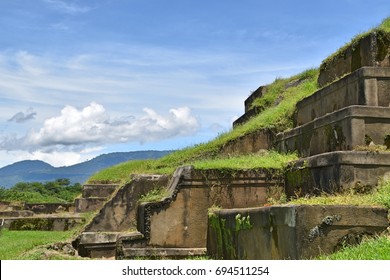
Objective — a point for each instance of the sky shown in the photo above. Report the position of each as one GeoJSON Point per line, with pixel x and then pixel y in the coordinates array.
{"type": "Point", "coordinates": [79, 78]}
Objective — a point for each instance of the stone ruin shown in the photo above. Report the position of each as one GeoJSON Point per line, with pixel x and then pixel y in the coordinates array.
{"type": "Point", "coordinates": [350, 110]}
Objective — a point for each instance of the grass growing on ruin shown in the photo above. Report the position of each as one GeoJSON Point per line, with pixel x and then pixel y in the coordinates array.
{"type": "Point", "coordinates": [266, 159]}
{"type": "Point", "coordinates": [370, 249]}
{"type": "Point", "coordinates": [156, 194]}
{"type": "Point", "coordinates": [15, 243]}
{"type": "Point", "coordinates": [380, 196]}
{"type": "Point", "coordinates": [277, 117]}
{"type": "Point", "coordinates": [383, 29]}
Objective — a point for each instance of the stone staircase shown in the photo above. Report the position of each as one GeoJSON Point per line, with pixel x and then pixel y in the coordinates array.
{"type": "Point", "coordinates": [341, 133]}
{"type": "Point", "coordinates": [93, 197]}
{"type": "Point", "coordinates": [335, 134]}
{"type": "Point", "coordinates": [336, 130]}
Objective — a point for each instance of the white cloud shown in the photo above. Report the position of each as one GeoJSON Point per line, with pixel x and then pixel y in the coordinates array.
{"type": "Point", "coordinates": [74, 129]}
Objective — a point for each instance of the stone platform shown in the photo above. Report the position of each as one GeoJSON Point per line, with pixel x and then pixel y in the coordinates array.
{"type": "Point", "coordinates": [366, 86]}
{"type": "Point", "coordinates": [44, 222]}
{"type": "Point", "coordinates": [291, 231]}
{"type": "Point", "coordinates": [335, 172]}
{"type": "Point", "coordinates": [344, 129]}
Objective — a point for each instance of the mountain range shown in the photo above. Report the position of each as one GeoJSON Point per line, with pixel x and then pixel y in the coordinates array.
{"type": "Point", "coordinates": [40, 171]}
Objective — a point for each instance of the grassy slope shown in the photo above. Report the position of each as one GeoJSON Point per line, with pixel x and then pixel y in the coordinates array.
{"type": "Point", "coordinates": [383, 28]}
{"type": "Point", "coordinates": [278, 110]}
{"type": "Point", "coordinates": [15, 243]}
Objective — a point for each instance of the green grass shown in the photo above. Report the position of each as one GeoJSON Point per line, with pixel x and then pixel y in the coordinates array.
{"type": "Point", "coordinates": [370, 249]}
{"type": "Point", "coordinates": [156, 194]}
{"type": "Point", "coordinates": [382, 30]}
{"type": "Point", "coordinates": [15, 243]}
{"type": "Point", "coordinates": [276, 117]}
{"type": "Point", "coordinates": [266, 159]}
{"type": "Point", "coordinates": [380, 196]}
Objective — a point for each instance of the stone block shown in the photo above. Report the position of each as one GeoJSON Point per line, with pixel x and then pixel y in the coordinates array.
{"type": "Point", "coordinates": [88, 204]}
{"type": "Point", "coordinates": [181, 221]}
{"type": "Point", "coordinates": [120, 212]}
{"type": "Point", "coordinates": [372, 50]}
{"type": "Point", "coordinates": [98, 190]}
{"type": "Point", "coordinates": [291, 231]}
{"type": "Point", "coordinates": [344, 129]}
{"type": "Point", "coordinates": [42, 223]}
{"type": "Point", "coordinates": [367, 86]}
{"type": "Point", "coordinates": [250, 143]}
{"type": "Point", "coordinates": [335, 172]}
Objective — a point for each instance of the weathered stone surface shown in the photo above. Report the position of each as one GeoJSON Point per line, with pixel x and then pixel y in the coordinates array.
{"type": "Point", "coordinates": [42, 223]}
{"type": "Point", "coordinates": [371, 50]}
{"type": "Point", "coordinates": [182, 220]}
{"type": "Point", "coordinates": [341, 130]}
{"type": "Point", "coordinates": [250, 113]}
{"type": "Point", "coordinates": [16, 213]}
{"type": "Point", "coordinates": [164, 252]}
{"type": "Point", "coordinates": [88, 204]}
{"type": "Point", "coordinates": [120, 212]}
{"type": "Point", "coordinates": [336, 171]}
{"type": "Point", "coordinates": [254, 95]}
{"type": "Point", "coordinates": [49, 208]}
{"type": "Point", "coordinates": [250, 143]}
{"type": "Point", "coordinates": [366, 86]}
{"type": "Point", "coordinates": [98, 190]}
{"type": "Point", "coordinates": [291, 231]}
{"type": "Point", "coordinates": [101, 244]}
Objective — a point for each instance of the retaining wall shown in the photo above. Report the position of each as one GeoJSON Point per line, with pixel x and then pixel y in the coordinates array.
{"type": "Point", "coordinates": [291, 231]}
{"type": "Point", "coordinates": [344, 129]}
{"type": "Point", "coordinates": [371, 50]}
{"type": "Point", "coordinates": [336, 171]}
{"type": "Point", "coordinates": [366, 86]}
{"type": "Point", "coordinates": [182, 220]}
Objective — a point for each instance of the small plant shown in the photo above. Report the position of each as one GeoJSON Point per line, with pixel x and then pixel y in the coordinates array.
{"type": "Point", "coordinates": [243, 223]}
{"type": "Point", "coordinates": [154, 195]}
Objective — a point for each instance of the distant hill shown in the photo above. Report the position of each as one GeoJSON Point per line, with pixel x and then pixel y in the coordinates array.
{"type": "Point", "coordinates": [39, 171]}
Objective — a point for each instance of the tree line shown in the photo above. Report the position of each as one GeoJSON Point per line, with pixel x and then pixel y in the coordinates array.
{"type": "Point", "coordinates": [58, 191]}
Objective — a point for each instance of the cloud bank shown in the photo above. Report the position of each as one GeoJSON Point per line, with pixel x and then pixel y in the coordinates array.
{"type": "Point", "coordinates": [75, 128]}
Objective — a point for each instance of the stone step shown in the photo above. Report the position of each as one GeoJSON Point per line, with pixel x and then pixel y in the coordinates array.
{"type": "Point", "coordinates": [89, 204]}
{"type": "Point", "coordinates": [335, 172]}
{"type": "Point", "coordinates": [341, 130]}
{"type": "Point", "coordinates": [174, 253]}
{"type": "Point", "coordinates": [366, 86]}
{"type": "Point", "coordinates": [370, 50]}
{"type": "Point", "coordinates": [291, 231]}
{"type": "Point", "coordinates": [102, 244]}
{"type": "Point", "coordinates": [98, 190]}
{"type": "Point", "coordinates": [43, 222]}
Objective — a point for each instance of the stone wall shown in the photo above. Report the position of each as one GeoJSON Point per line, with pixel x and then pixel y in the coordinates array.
{"type": "Point", "coordinates": [49, 208]}
{"type": "Point", "coordinates": [371, 50]}
{"type": "Point", "coordinates": [291, 231]}
{"type": "Point", "coordinates": [250, 143]}
{"type": "Point", "coordinates": [336, 172]}
{"type": "Point", "coordinates": [182, 221]}
{"type": "Point", "coordinates": [120, 212]}
{"type": "Point", "coordinates": [344, 129]}
{"type": "Point", "coordinates": [366, 86]}
{"type": "Point", "coordinates": [93, 197]}
{"type": "Point", "coordinates": [42, 223]}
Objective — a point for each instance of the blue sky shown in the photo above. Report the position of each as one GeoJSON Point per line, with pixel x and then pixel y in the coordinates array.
{"type": "Point", "coordinates": [81, 78]}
